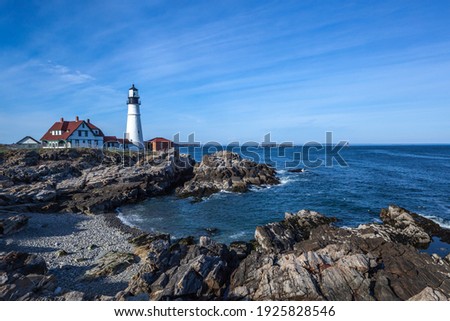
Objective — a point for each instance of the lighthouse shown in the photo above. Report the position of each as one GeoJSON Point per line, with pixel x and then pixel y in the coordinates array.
{"type": "Point", "coordinates": [134, 127]}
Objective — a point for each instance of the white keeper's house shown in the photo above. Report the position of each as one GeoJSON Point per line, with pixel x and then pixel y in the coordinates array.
{"type": "Point", "coordinates": [73, 134]}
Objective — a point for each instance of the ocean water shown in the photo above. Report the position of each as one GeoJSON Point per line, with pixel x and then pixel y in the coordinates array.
{"type": "Point", "coordinates": [414, 177]}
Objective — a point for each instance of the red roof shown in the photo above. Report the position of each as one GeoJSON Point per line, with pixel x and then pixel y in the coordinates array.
{"type": "Point", "coordinates": [93, 127]}
{"type": "Point", "coordinates": [67, 128]}
{"type": "Point", "coordinates": [108, 139]}
{"type": "Point", "coordinates": [160, 140]}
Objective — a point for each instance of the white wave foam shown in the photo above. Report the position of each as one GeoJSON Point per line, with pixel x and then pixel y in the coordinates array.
{"type": "Point", "coordinates": [129, 220]}
{"type": "Point", "coordinates": [285, 180]}
{"type": "Point", "coordinates": [125, 220]}
{"type": "Point", "coordinates": [439, 220]}
{"type": "Point", "coordinates": [238, 235]}
{"type": "Point", "coordinates": [256, 188]}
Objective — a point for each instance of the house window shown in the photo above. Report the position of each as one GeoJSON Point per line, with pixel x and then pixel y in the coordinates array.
{"type": "Point", "coordinates": [86, 133]}
{"type": "Point", "coordinates": [79, 133]}
{"type": "Point", "coordinates": [84, 142]}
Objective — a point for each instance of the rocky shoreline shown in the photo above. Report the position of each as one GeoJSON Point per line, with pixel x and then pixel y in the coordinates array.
{"type": "Point", "coordinates": [95, 181]}
{"type": "Point", "coordinates": [303, 257]}
{"type": "Point", "coordinates": [45, 255]}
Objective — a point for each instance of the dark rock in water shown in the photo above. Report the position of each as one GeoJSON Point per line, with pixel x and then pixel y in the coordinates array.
{"type": "Point", "coordinates": [23, 277]}
{"type": "Point", "coordinates": [296, 170]}
{"type": "Point", "coordinates": [226, 171]}
{"type": "Point", "coordinates": [13, 224]}
{"type": "Point", "coordinates": [212, 230]}
{"type": "Point", "coordinates": [417, 229]}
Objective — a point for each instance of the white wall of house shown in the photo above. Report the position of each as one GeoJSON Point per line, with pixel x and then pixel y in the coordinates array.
{"type": "Point", "coordinates": [82, 137]}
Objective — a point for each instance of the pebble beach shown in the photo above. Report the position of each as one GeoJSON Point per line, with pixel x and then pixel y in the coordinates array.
{"type": "Point", "coordinates": [71, 244]}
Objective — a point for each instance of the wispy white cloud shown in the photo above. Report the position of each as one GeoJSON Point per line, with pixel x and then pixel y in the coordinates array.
{"type": "Point", "coordinates": [65, 74]}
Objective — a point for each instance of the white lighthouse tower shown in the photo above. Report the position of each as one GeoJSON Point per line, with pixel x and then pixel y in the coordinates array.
{"type": "Point", "coordinates": [134, 127]}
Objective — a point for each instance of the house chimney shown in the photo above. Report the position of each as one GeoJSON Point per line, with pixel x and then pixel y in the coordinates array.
{"type": "Point", "coordinates": [62, 120]}
{"type": "Point", "coordinates": [89, 121]}
{"type": "Point", "coordinates": [77, 119]}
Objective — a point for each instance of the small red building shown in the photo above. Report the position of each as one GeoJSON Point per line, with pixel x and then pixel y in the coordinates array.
{"type": "Point", "coordinates": [159, 144]}
{"type": "Point", "coordinates": [112, 142]}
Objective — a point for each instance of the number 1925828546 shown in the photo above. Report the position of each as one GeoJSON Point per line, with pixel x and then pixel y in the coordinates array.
{"type": "Point", "coordinates": [295, 311]}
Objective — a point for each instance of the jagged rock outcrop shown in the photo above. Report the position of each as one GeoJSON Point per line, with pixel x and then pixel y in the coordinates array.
{"type": "Point", "coordinates": [371, 262]}
{"type": "Point", "coordinates": [282, 236]}
{"type": "Point", "coordinates": [89, 181]}
{"type": "Point", "coordinates": [111, 263]}
{"type": "Point", "coordinates": [403, 221]}
{"type": "Point", "coordinates": [419, 228]}
{"type": "Point", "coordinates": [23, 277]}
{"type": "Point", "coordinates": [183, 270]}
{"type": "Point", "coordinates": [303, 257]}
{"type": "Point", "coordinates": [226, 171]}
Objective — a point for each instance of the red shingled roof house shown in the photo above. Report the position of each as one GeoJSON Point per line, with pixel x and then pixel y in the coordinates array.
{"type": "Point", "coordinates": [73, 134]}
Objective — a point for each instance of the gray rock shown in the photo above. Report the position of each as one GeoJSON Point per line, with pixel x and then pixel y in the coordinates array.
{"type": "Point", "coordinates": [226, 171]}
{"type": "Point", "coordinates": [111, 263]}
{"type": "Point", "coordinates": [24, 277]}
{"type": "Point", "coordinates": [410, 231]}
{"type": "Point", "coordinates": [429, 294]}
{"type": "Point", "coordinates": [61, 253]}
{"type": "Point", "coordinates": [296, 227]}
{"type": "Point", "coordinates": [13, 224]}
{"type": "Point", "coordinates": [74, 296]}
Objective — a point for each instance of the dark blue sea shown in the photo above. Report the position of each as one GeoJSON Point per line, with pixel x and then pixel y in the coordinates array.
{"type": "Point", "coordinates": [414, 177]}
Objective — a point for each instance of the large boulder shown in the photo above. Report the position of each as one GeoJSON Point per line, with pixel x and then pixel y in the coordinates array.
{"type": "Point", "coordinates": [226, 171]}
{"type": "Point", "coordinates": [281, 236]}
{"type": "Point", "coordinates": [410, 231]}
{"type": "Point", "coordinates": [24, 276]}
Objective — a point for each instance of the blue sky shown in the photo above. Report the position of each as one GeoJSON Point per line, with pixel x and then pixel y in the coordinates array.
{"type": "Point", "coordinates": [370, 72]}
